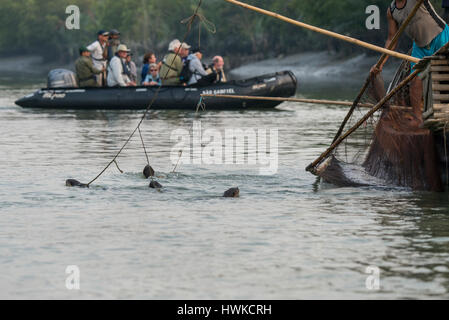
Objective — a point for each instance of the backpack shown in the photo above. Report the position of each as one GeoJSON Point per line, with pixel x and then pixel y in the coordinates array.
{"type": "Point", "coordinates": [186, 74]}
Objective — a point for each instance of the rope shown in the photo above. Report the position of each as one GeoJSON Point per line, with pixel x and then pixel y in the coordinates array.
{"type": "Point", "coordinates": [189, 22]}
{"type": "Point", "coordinates": [202, 21]}
{"type": "Point", "coordinates": [179, 158]}
{"type": "Point", "coordinates": [201, 105]}
{"type": "Point", "coordinates": [143, 145]}
{"type": "Point", "coordinates": [116, 164]}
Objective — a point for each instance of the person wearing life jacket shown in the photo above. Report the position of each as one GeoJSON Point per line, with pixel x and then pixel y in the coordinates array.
{"type": "Point", "coordinates": [85, 70]}
{"type": "Point", "coordinates": [428, 31]}
{"type": "Point", "coordinates": [98, 51]}
{"type": "Point", "coordinates": [172, 64]}
{"type": "Point", "coordinates": [113, 43]}
{"type": "Point", "coordinates": [217, 68]}
{"type": "Point", "coordinates": [131, 69]}
{"type": "Point", "coordinates": [198, 73]}
{"type": "Point", "coordinates": [148, 59]}
{"type": "Point", "coordinates": [152, 78]}
{"type": "Point", "coordinates": [117, 76]}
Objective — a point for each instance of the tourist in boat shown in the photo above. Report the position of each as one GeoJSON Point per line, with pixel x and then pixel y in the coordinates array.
{"type": "Point", "coordinates": [218, 68]}
{"type": "Point", "coordinates": [131, 68]}
{"type": "Point", "coordinates": [172, 65]}
{"type": "Point", "coordinates": [428, 31]}
{"type": "Point", "coordinates": [114, 42]}
{"type": "Point", "coordinates": [99, 54]}
{"type": "Point", "coordinates": [85, 70]}
{"type": "Point", "coordinates": [117, 76]}
{"type": "Point", "coordinates": [199, 74]}
{"type": "Point", "coordinates": [152, 78]}
{"type": "Point", "coordinates": [148, 59]}
{"type": "Point", "coordinates": [184, 52]}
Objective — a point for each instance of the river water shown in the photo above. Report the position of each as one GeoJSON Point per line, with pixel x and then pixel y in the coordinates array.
{"type": "Point", "coordinates": [288, 236]}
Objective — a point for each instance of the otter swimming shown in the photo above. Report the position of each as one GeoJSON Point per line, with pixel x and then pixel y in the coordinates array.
{"type": "Point", "coordinates": [155, 185]}
{"type": "Point", "coordinates": [148, 171]}
{"type": "Point", "coordinates": [232, 193]}
{"type": "Point", "coordinates": [75, 183]}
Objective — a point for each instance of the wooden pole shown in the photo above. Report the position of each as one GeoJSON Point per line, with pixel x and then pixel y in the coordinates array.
{"type": "Point", "coordinates": [315, 101]}
{"type": "Point", "coordinates": [312, 167]}
{"type": "Point", "coordinates": [381, 60]}
{"type": "Point", "coordinates": [327, 32]}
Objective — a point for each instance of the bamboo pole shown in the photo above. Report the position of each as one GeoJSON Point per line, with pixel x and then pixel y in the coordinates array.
{"type": "Point", "coordinates": [312, 167]}
{"type": "Point", "coordinates": [327, 32]}
{"type": "Point", "coordinates": [381, 60]}
{"type": "Point", "coordinates": [315, 101]}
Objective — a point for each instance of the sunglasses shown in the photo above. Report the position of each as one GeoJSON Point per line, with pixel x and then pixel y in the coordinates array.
{"type": "Point", "coordinates": [153, 70]}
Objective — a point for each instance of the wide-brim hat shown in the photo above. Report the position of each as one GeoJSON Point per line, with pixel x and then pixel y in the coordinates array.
{"type": "Point", "coordinates": [123, 47]}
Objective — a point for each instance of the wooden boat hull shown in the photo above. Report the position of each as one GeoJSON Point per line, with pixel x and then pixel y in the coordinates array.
{"type": "Point", "coordinates": [281, 84]}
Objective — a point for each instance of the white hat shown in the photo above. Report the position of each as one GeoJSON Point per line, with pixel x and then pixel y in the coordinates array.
{"type": "Point", "coordinates": [123, 47]}
{"type": "Point", "coordinates": [174, 44]}
{"type": "Point", "coordinates": [185, 46]}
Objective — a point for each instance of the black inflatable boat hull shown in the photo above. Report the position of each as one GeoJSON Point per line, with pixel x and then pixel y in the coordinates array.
{"type": "Point", "coordinates": [281, 84]}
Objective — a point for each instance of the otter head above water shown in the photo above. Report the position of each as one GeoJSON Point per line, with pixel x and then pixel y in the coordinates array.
{"type": "Point", "coordinates": [155, 185]}
{"type": "Point", "coordinates": [232, 193]}
{"type": "Point", "coordinates": [75, 183]}
{"type": "Point", "coordinates": [148, 171]}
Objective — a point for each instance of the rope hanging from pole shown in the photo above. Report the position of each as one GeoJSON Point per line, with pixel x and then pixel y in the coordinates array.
{"type": "Point", "coordinates": [189, 22]}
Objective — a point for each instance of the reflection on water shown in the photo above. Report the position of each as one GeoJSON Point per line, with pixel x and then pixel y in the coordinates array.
{"type": "Point", "coordinates": [288, 236]}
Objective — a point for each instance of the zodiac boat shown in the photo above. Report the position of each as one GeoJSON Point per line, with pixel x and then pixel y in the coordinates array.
{"type": "Point", "coordinates": [62, 93]}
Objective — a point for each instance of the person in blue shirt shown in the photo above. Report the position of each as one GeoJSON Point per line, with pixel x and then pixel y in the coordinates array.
{"type": "Point", "coordinates": [148, 59]}
{"type": "Point", "coordinates": [152, 78]}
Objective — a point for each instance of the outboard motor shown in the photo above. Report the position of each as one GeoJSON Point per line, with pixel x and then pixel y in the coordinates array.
{"type": "Point", "coordinates": [61, 78]}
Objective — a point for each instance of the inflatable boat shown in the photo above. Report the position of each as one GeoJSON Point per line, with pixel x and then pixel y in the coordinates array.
{"type": "Point", "coordinates": [59, 96]}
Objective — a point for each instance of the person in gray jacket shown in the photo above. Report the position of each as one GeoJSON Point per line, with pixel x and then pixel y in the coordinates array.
{"type": "Point", "coordinates": [196, 68]}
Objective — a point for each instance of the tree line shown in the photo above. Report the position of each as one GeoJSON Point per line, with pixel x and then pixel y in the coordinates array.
{"type": "Point", "coordinates": [38, 26]}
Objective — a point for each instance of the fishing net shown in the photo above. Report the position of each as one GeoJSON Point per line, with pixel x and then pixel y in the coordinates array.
{"type": "Point", "coordinates": [391, 148]}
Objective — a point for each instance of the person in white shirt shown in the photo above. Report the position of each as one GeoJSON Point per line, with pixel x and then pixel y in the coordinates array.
{"type": "Point", "coordinates": [98, 52]}
{"type": "Point", "coordinates": [116, 71]}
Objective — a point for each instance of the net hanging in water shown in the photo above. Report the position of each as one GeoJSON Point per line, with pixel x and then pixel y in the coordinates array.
{"type": "Point", "coordinates": [391, 148]}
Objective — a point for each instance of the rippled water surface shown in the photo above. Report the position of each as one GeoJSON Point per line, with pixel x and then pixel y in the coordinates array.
{"type": "Point", "coordinates": [287, 236]}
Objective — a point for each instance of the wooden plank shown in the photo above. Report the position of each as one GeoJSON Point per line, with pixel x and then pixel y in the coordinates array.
{"type": "Point", "coordinates": [440, 62]}
{"type": "Point", "coordinates": [441, 106]}
{"type": "Point", "coordinates": [440, 76]}
{"type": "Point", "coordinates": [439, 68]}
{"type": "Point", "coordinates": [434, 120]}
{"type": "Point", "coordinates": [440, 87]}
{"type": "Point", "coordinates": [439, 96]}
{"type": "Point", "coordinates": [438, 116]}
